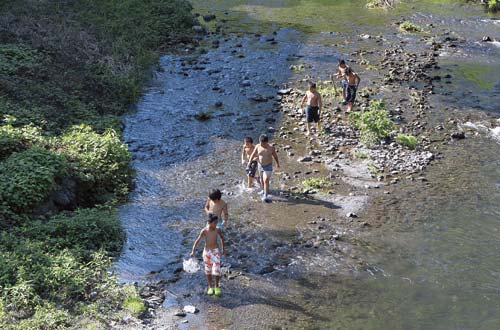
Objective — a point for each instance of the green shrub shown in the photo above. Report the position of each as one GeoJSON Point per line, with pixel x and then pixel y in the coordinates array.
{"type": "Point", "coordinates": [374, 123]}
{"type": "Point", "coordinates": [17, 58]}
{"type": "Point", "coordinates": [359, 154]}
{"type": "Point", "coordinates": [316, 183]}
{"type": "Point", "coordinates": [493, 6]}
{"type": "Point", "coordinates": [408, 26]}
{"type": "Point", "coordinates": [407, 140]}
{"type": "Point", "coordinates": [100, 161]}
{"type": "Point", "coordinates": [133, 302]}
{"type": "Point", "coordinates": [16, 139]}
{"type": "Point", "coordinates": [28, 177]}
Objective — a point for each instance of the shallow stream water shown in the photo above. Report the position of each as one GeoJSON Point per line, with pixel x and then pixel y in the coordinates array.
{"type": "Point", "coordinates": [433, 263]}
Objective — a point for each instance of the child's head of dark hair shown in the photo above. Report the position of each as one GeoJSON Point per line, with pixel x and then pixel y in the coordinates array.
{"type": "Point", "coordinates": [312, 85]}
{"type": "Point", "coordinates": [264, 138]}
{"type": "Point", "coordinates": [248, 139]}
{"type": "Point", "coordinates": [214, 194]}
{"type": "Point", "coordinates": [348, 71]}
{"type": "Point", "coordinates": [212, 218]}
{"type": "Point", "coordinates": [341, 62]}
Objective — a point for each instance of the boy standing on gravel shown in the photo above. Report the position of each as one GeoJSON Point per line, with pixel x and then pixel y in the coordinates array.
{"type": "Point", "coordinates": [341, 75]}
{"type": "Point", "coordinates": [215, 205]}
{"type": "Point", "coordinates": [246, 152]}
{"type": "Point", "coordinates": [211, 254]}
{"type": "Point", "coordinates": [313, 108]}
{"type": "Point", "coordinates": [353, 81]}
{"type": "Point", "coordinates": [265, 153]}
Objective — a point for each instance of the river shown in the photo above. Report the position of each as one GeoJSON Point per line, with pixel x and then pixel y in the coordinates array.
{"type": "Point", "coordinates": [428, 260]}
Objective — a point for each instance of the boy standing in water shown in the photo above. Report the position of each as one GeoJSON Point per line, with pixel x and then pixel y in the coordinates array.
{"type": "Point", "coordinates": [353, 81]}
{"type": "Point", "coordinates": [265, 153]}
{"type": "Point", "coordinates": [211, 254]}
{"type": "Point", "coordinates": [313, 108]}
{"type": "Point", "coordinates": [215, 205]}
{"type": "Point", "coordinates": [341, 74]}
{"type": "Point", "coordinates": [246, 152]}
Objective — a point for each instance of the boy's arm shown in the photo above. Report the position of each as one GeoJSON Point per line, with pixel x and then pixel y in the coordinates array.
{"type": "Point", "coordinates": [243, 155]}
{"type": "Point", "coordinates": [221, 241]}
{"type": "Point", "coordinates": [195, 245]}
{"type": "Point", "coordinates": [225, 214]}
{"type": "Point", "coordinates": [303, 100]}
{"type": "Point", "coordinates": [252, 156]}
{"type": "Point", "coordinates": [320, 103]}
{"type": "Point", "coordinates": [358, 79]}
{"type": "Point", "coordinates": [275, 155]}
{"type": "Point", "coordinates": [207, 207]}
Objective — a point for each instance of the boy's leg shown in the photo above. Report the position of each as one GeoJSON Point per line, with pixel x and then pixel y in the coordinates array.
{"type": "Point", "coordinates": [209, 280]}
{"type": "Point", "coordinates": [249, 181]}
{"type": "Point", "coordinates": [266, 184]}
{"type": "Point", "coordinates": [308, 128]}
{"type": "Point", "coordinates": [216, 279]}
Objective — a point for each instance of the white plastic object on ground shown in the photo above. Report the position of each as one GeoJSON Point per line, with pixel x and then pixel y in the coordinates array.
{"type": "Point", "coordinates": [190, 265]}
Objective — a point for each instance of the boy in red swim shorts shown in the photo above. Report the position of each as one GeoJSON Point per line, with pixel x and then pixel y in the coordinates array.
{"type": "Point", "coordinates": [211, 254]}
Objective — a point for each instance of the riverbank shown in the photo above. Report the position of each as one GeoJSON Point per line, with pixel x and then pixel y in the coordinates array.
{"type": "Point", "coordinates": [312, 258]}
{"type": "Point", "coordinates": [68, 72]}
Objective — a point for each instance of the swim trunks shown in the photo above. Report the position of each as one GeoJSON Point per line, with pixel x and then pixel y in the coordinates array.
{"type": "Point", "coordinates": [312, 114]}
{"type": "Point", "coordinates": [266, 168]}
{"type": "Point", "coordinates": [251, 169]}
{"type": "Point", "coordinates": [211, 260]}
{"type": "Point", "coordinates": [350, 94]}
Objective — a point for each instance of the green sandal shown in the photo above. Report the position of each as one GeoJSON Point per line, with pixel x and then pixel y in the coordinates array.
{"type": "Point", "coordinates": [217, 291]}
{"type": "Point", "coordinates": [210, 291]}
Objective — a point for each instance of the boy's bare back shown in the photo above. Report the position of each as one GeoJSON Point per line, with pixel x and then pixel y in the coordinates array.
{"type": "Point", "coordinates": [210, 237]}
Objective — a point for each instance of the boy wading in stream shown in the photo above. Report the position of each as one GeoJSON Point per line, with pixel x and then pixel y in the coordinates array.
{"type": "Point", "coordinates": [341, 75]}
{"type": "Point", "coordinates": [265, 153]}
{"type": "Point", "coordinates": [313, 108]}
{"type": "Point", "coordinates": [215, 205]}
{"type": "Point", "coordinates": [353, 81]}
{"type": "Point", "coordinates": [246, 152]}
{"type": "Point", "coordinates": [211, 254]}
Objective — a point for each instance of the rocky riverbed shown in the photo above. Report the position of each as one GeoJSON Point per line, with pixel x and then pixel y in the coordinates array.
{"type": "Point", "coordinates": [232, 85]}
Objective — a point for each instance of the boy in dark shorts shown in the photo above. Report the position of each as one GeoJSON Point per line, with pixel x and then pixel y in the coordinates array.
{"type": "Point", "coordinates": [353, 81]}
{"type": "Point", "coordinates": [211, 254]}
{"type": "Point", "coordinates": [246, 152]}
{"type": "Point", "coordinates": [341, 75]}
{"type": "Point", "coordinates": [313, 108]}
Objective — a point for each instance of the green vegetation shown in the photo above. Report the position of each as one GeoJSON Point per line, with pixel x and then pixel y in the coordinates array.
{"type": "Point", "coordinates": [317, 183]}
{"type": "Point", "coordinates": [68, 71]}
{"type": "Point", "coordinates": [408, 141]}
{"type": "Point", "coordinates": [373, 123]}
{"type": "Point", "coordinates": [380, 4]}
{"type": "Point", "coordinates": [408, 26]}
{"type": "Point", "coordinates": [493, 6]}
{"type": "Point", "coordinates": [359, 154]}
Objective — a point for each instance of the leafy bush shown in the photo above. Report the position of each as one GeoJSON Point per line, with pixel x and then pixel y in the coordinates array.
{"type": "Point", "coordinates": [493, 6]}
{"type": "Point", "coordinates": [408, 26]}
{"type": "Point", "coordinates": [316, 183]}
{"type": "Point", "coordinates": [59, 261]}
{"type": "Point", "coordinates": [16, 139]}
{"type": "Point", "coordinates": [374, 123]}
{"type": "Point", "coordinates": [17, 58]}
{"type": "Point", "coordinates": [100, 161]}
{"type": "Point", "coordinates": [407, 140]}
{"type": "Point", "coordinates": [28, 177]}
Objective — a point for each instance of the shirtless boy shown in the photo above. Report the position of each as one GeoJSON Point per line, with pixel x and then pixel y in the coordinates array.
{"type": "Point", "coordinates": [246, 152]}
{"type": "Point", "coordinates": [211, 254]}
{"type": "Point", "coordinates": [341, 75]}
{"type": "Point", "coordinates": [215, 205]}
{"type": "Point", "coordinates": [265, 154]}
{"type": "Point", "coordinates": [313, 109]}
{"type": "Point", "coordinates": [353, 81]}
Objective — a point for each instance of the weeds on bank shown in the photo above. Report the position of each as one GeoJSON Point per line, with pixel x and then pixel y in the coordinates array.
{"type": "Point", "coordinates": [408, 141]}
{"type": "Point", "coordinates": [408, 26]}
{"type": "Point", "coordinates": [316, 183]}
{"type": "Point", "coordinates": [374, 123]}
